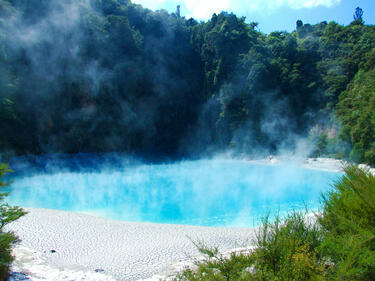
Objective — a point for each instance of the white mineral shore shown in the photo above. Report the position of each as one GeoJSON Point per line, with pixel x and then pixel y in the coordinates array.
{"type": "Point", "coordinates": [323, 164]}
{"type": "Point", "coordinates": [60, 245]}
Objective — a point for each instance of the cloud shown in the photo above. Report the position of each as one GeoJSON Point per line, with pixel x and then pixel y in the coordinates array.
{"type": "Point", "coordinates": [204, 9]}
{"type": "Point", "coordinates": [199, 9]}
{"type": "Point", "coordinates": [299, 4]}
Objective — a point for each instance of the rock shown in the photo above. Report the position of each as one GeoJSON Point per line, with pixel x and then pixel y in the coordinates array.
{"type": "Point", "coordinates": [52, 251]}
{"type": "Point", "coordinates": [99, 270]}
{"type": "Point", "coordinates": [18, 276]}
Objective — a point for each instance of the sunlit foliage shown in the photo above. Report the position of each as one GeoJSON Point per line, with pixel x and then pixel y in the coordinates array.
{"type": "Point", "coordinates": [348, 222]}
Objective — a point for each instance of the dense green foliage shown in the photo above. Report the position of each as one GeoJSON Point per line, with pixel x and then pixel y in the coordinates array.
{"type": "Point", "coordinates": [356, 109]}
{"type": "Point", "coordinates": [286, 250]}
{"type": "Point", "coordinates": [7, 215]}
{"type": "Point", "coordinates": [109, 75]}
{"type": "Point", "coordinates": [339, 245]}
{"type": "Point", "coordinates": [348, 222]}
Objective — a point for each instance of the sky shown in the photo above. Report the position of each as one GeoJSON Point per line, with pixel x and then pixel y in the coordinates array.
{"type": "Point", "coordinates": [271, 15]}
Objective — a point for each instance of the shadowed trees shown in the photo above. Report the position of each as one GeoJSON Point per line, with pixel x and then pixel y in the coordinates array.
{"type": "Point", "coordinates": [100, 76]}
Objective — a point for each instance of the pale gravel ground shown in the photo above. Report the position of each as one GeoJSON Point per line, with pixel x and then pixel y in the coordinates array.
{"type": "Point", "coordinates": [124, 250]}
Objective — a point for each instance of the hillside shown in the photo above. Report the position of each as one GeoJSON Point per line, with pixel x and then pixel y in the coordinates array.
{"type": "Point", "coordinates": [110, 76]}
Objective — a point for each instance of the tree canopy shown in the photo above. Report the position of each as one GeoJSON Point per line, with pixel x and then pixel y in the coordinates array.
{"type": "Point", "coordinates": [111, 76]}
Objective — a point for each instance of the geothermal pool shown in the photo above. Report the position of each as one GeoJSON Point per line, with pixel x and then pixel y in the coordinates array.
{"type": "Point", "coordinates": [205, 192]}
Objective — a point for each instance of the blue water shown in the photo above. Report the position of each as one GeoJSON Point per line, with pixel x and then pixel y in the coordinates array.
{"type": "Point", "coordinates": [205, 192]}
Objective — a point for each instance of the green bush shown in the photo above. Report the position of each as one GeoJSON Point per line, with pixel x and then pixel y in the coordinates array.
{"type": "Point", "coordinates": [6, 241]}
{"type": "Point", "coordinates": [284, 251]}
{"type": "Point", "coordinates": [289, 250]}
{"type": "Point", "coordinates": [220, 268]}
{"type": "Point", "coordinates": [7, 215]}
{"type": "Point", "coordinates": [348, 222]}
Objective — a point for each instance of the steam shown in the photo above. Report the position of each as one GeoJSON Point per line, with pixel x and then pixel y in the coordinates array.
{"type": "Point", "coordinates": [53, 45]}
{"type": "Point", "coordinates": [169, 118]}
{"type": "Point", "coordinates": [206, 192]}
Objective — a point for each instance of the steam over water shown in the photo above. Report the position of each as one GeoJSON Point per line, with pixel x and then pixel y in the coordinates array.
{"type": "Point", "coordinates": [205, 192]}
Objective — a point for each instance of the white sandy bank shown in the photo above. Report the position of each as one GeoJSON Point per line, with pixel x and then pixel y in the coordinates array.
{"type": "Point", "coordinates": [71, 246]}
{"type": "Point", "coordinates": [323, 164]}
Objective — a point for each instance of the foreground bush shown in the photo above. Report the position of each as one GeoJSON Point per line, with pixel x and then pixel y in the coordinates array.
{"type": "Point", "coordinates": [339, 245]}
{"type": "Point", "coordinates": [7, 215]}
{"type": "Point", "coordinates": [289, 250]}
{"type": "Point", "coordinates": [284, 251]}
{"type": "Point", "coordinates": [348, 222]}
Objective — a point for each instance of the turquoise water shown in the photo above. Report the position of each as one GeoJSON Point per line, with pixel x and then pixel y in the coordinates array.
{"type": "Point", "coordinates": [205, 192]}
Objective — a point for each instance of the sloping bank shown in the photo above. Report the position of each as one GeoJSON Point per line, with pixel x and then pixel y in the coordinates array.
{"type": "Point", "coordinates": [72, 246]}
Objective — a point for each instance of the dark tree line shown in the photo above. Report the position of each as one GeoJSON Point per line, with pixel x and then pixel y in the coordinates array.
{"type": "Point", "coordinates": [110, 76]}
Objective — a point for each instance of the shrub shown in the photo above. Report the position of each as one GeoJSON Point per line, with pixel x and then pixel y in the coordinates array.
{"type": "Point", "coordinates": [7, 215]}
{"type": "Point", "coordinates": [6, 241]}
{"type": "Point", "coordinates": [219, 268]}
{"type": "Point", "coordinates": [289, 250]}
{"type": "Point", "coordinates": [284, 251]}
{"type": "Point", "coordinates": [348, 222]}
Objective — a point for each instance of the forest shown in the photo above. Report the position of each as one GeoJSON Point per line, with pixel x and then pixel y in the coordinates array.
{"type": "Point", "coordinates": [98, 76]}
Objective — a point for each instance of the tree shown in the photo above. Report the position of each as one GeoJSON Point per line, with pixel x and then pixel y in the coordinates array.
{"type": "Point", "coordinates": [356, 109]}
{"type": "Point", "coordinates": [253, 25]}
{"type": "Point", "coordinates": [8, 214]}
{"type": "Point", "coordinates": [178, 11]}
{"type": "Point", "coordinates": [299, 24]}
{"type": "Point", "coordinates": [358, 16]}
